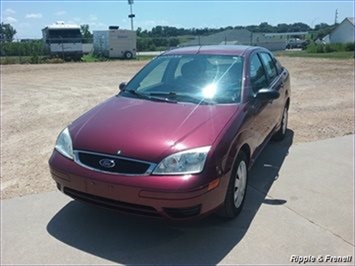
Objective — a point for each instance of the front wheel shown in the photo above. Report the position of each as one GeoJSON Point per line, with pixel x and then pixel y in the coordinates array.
{"type": "Point", "coordinates": [281, 133]}
{"type": "Point", "coordinates": [237, 188]}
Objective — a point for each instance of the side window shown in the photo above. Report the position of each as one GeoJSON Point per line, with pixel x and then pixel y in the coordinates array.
{"type": "Point", "coordinates": [257, 74]}
{"type": "Point", "coordinates": [156, 75]}
{"type": "Point", "coordinates": [269, 66]}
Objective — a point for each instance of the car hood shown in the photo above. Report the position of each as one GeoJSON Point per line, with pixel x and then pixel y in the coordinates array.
{"type": "Point", "coordinates": [148, 130]}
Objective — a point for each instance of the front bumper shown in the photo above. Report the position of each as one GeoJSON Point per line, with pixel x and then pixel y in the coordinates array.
{"type": "Point", "coordinates": [172, 197]}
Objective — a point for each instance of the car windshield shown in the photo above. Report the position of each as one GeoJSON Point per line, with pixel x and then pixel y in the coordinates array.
{"type": "Point", "coordinates": [205, 79]}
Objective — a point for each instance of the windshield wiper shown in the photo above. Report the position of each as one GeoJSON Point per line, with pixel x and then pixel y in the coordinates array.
{"type": "Point", "coordinates": [149, 97]}
{"type": "Point", "coordinates": [183, 97]}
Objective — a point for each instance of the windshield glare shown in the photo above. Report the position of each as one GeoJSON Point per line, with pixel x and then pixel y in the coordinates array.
{"type": "Point", "coordinates": [213, 77]}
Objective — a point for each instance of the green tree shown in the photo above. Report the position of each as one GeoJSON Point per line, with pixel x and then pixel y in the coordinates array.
{"type": "Point", "coordinates": [85, 32]}
{"type": "Point", "coordinates": [7, 32]}
{"type": "Point", "coordinates": [139, 31]}
{"type": "Point", "coordinates": [265, 27]}
{"type": "Point", "coordinates": [321, 26]}
{"type": "Point", "coordinates": [299, 26]}
{"type": "Point", "coordinates": [157, 31]}
{"type": "Point", "coordinates": [173, 42]}
{"type": "Point", "coordinates": [282, 27]}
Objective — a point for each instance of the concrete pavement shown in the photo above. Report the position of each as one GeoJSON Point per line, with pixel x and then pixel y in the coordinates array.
{"type": "Point", "coordinates": [300, 202]}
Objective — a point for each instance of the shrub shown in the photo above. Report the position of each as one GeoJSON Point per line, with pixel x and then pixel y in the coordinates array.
{"type": "Point", "coordinates": [330, 47]}
{"type": "Point", "coordinates": [34, 58]}
{"type": "Point", "coordinates": [315, 48]}
{"type": "Point", "coordinates": [350, 46]}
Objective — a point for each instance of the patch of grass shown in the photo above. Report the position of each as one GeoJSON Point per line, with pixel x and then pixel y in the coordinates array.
{"type": "Point", "coordinates": [10, 60]}
{"type": "Point", "coordinates": [145, 57]}
{"type": "Point", "coordinates": [54, 60]}
{"type": "Point", "coordinates": [333, 55]}
{"type": "Point", "coordinates": [88, 58]}
{"type": "Point", "coordinates": [35, 59]}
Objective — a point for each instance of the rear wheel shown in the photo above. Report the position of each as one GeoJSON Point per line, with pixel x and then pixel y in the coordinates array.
{"type": "Point", "coordinates": [128, 55]}
{"type": "Point", "coordinates": [237, 188]}
{"type": "Point", "coordinates": [281, 133]}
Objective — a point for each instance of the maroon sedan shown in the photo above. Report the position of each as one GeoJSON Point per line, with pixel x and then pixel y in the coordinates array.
{"type": "Point", "coordinates": [179, 139]}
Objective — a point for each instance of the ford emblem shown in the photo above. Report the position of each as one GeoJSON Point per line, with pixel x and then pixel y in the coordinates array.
{"type": "Point", "coordinates": [107, 163]}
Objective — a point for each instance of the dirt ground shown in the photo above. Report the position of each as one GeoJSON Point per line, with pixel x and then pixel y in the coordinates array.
{"type": "Point", "coordinates": [38, 101]}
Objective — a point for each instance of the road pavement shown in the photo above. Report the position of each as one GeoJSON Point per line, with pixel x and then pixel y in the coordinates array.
{"type": "Point", "coordinates": [299, 205]}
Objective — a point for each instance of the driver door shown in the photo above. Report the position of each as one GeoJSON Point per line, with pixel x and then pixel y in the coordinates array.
{"type": "Point", "coordinates": [261, 111]}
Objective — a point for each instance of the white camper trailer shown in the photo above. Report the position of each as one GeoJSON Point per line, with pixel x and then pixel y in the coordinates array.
{"type": "Point", "coordinates": [63, 40]}
{"type": "Point", "coordinates": [115, 43]}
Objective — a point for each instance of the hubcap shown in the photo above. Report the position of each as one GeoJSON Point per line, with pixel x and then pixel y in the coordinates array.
{"type": "Point", "coordinates": [240, 184]}
{"type": "Point", "coordinates": [284, 121]}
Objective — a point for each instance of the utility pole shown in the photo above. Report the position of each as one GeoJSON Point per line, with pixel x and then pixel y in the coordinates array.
{"type": "Point", "coordinates": [336, 16]}
{"type": "Point", "coordinates": [131, 15]}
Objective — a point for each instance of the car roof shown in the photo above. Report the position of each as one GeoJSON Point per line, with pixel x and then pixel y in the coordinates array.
{"type": "Point", "coordinates": [238, 50]}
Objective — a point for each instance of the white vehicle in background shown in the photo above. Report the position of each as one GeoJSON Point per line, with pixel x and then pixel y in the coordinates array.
{"type": "Point", "coordinates": [115, 43]}
{"type": "Point", "coordinates": [63, 40]}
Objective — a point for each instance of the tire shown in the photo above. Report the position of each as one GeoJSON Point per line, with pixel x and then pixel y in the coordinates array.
{"type": "Point", "coordinates": [237, 188]}
{"type": "Point", "coordinates": [281, 133]}
{"type": "Point", "coordinates": [128, 55]}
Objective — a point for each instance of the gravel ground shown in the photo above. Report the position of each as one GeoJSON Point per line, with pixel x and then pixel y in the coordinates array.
{"type": "Point", "coordinates": [38, 101]}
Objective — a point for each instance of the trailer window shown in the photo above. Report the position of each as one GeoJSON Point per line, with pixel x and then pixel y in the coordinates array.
{"type": "Point", "coordinates": [64, 35]}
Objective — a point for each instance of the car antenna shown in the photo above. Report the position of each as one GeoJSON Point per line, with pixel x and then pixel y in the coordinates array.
{"type": "Point", "coordinates": [199, 48]}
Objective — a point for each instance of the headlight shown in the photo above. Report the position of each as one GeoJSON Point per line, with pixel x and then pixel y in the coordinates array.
{"type": "Point", "coordinates": [64, 144]}
{"type": "Point", "coordinates": [185, 162]}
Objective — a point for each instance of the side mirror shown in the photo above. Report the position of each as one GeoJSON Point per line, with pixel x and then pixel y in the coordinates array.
{"type": "Point", "coordinates": [267, 94]}
{"type": "Point", "coordinates": [122, 86]}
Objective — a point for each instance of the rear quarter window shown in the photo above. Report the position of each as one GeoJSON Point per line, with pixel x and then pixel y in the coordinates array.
{"type": "Point", "coordinates": [278, 65]}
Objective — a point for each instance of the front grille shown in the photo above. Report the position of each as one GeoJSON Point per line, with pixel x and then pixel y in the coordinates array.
{"type": "Point", "coordinates": [120, 165]}
{"type": "Point", "coordinates": [112, 204]}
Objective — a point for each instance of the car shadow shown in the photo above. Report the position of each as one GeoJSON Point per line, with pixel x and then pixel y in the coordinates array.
{"type": "Point", "coordinates": [135, 240]}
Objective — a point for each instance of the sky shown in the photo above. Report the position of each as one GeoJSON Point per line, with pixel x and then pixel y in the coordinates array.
{"type": "Point", "coordinates": [30, 17]}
